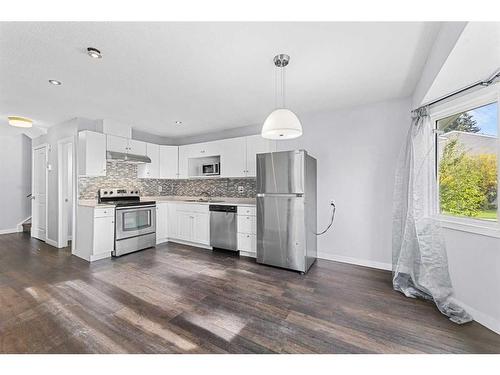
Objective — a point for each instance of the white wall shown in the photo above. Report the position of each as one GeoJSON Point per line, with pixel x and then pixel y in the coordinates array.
{"type": "Point", "coordinates": [55, 133]}
{"type": "Point", "coordinates": [474, 262]}
{"type": "Point", "coordinates": [445, 42]}
{"type": "Point", "coordinates": [356, 150]}
{"type": "Point", "coordinates": [15, 181]}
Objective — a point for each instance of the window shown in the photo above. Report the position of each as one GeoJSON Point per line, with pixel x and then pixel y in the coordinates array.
{"type": "Point", "coordinates": [467, 163]}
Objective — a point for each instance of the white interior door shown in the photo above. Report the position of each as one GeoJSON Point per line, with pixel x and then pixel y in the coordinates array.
{"type": "Point", "coordinates": [39, 193]}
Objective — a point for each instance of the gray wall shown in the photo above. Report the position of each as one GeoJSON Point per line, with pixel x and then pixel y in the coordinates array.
{"type": "Point", "coordinates": [15, 180]}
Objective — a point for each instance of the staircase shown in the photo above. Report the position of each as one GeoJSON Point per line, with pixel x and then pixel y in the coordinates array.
{"type": "Point", "coordinates": [27, 226]}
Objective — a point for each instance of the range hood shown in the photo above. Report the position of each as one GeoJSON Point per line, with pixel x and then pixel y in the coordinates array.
{"type": "Point", "coordinates": [127, 158]}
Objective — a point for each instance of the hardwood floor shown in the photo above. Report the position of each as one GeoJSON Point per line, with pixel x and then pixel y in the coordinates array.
{"type": "Point", "coordinates": [178, 299]}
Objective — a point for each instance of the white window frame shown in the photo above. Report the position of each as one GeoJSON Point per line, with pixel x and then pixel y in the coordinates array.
{"type": "Point", "coordinates": [465, 103]}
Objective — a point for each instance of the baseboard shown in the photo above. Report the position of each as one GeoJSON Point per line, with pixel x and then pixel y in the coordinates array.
{"type": "Point", "coordinates": [356, 261]}
{"type": "Point", "coordinates": [11, 230]}
{"type": "Point", "coordinates": [51, 242]}
{"type": "Point", "coordinates": [482, 318]}
{"type": "Point", "coordinates": [194, 244]}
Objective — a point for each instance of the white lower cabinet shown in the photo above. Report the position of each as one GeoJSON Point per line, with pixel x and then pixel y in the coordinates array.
{"type": "Point", "coordinates": [161, 222]}
{"type": "Point", "coordinates": [247, 243]}
{"type": "Point", "coordinates": [247, 230]}
{"type": "Point", "coordinates": [192, 223]}
{"type": "Point", "coordinates": [95, 237]}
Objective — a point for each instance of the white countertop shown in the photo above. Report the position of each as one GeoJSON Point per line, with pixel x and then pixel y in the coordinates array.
{"type": "Point", "coordinates": [214, 200]}
{"type": "Point", "coordinates": [177, 199]}
{"type": "Point", "coordinates": [93, 203]}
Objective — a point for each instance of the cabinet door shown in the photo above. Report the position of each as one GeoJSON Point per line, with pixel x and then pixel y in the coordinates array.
{"type": "Point", "coordinates": [247, 224]}
{"type": "Point", "coordinates": [199, 150]}
{"type": "Point", "coordinates": [233, 158]}
{"type": "Point", "coordinates": [247, 242]}
{"type": "Point", "coordinates": [136, 147]}
{"type": "Point", "coordinates": [92, 153]}
{"type": "Point", "coordinates": [104, 235]}
{"type": "Point", "coordinates": [184, 226]}
{"type": "Point", "coordinates": [161, 222]}
{"type": "Point", "coordinates": [172, 220]}
{"type": "Point", "coordinates": [184, 152]}
{"type": "Point", "coordinates": [201, 228]}
{"type": "Point", "coordinates": [150, 170]}
{"type": "Point", "coordinates": [256, 145]}
{"type": "Point", "coordinates": [116, 144]}
{"type": "Point", "coordinates": [169, 161]}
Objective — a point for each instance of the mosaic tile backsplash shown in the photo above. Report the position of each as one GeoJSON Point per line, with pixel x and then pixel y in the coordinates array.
{"type": "Point", "coordinates": [125, 175]}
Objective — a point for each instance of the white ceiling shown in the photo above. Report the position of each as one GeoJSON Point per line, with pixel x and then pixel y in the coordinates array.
{"type": "Point", "coordinates": [210, 76]}
{"type": "Point", "coordinates": [475, 57]}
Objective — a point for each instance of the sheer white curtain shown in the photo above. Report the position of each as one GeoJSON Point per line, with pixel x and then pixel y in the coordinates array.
{"type": "Point", "coordinates": [419, 261]}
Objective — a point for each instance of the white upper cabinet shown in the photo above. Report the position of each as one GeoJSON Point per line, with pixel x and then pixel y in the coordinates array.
{"type": "Point", "coordinates": [184, 161]}
{"type": "Point", "coordinates": [255, 144]}
{"type": "Point", "coordinates": [91, 154]}
{"type": "Point", "coordinates": [116, 144]}
{"type": "Point", "coordinates": [232, 157]}
{"type": "Point", "coordinates": [137, 147]}
{"type": "Point", "coordinates": [169, 161]}
{"type": "Point", "coordinates": [125, 145]}
{"type": "Point", "coordinates": [150, 170]}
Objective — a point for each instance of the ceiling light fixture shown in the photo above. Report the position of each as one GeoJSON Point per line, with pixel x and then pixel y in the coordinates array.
{"type": "Point", "coordinates": [281, 123]}
{"type": "Point", "coordinates": [94, 53]}
{"type": "Point", "coordinates": [178, 123]}
{"type": "Point", "coordinates": [55, 82]}
{"type": "Point", "coordinates": [20, 122]}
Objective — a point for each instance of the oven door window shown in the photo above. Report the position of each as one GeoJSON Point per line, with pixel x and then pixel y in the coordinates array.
{"type": "Point", "coordinates": [136, 220]}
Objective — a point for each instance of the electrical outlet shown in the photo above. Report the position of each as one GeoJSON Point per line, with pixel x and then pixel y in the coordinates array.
{"type": "Point", "coordinates": [160, 188]}
{"type": "Point", "coordinates": [241, 189]}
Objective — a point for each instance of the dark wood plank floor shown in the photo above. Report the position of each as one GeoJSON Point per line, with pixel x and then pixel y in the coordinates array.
{"type": "Point", "coordinates": [178, 299]}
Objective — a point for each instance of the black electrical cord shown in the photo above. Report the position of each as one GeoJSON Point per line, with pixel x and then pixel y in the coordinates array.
{"type": "Point", "coordinates": [334, 208]}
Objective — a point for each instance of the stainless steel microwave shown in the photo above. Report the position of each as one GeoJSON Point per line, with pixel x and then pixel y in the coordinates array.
{"type": "Point", "coordinates": [210, 169]}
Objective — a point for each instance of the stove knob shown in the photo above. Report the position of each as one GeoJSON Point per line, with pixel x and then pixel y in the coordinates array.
{"type": "Point", "coordinates": [105, 192]}
{"type": "Point", "coordinates": [110, 192]}
{"type": "Point", "coordinates": [137, 192]}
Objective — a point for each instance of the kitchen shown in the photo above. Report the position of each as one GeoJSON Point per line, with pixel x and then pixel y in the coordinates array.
{"type": "Point", "coordinates": [177, 180]}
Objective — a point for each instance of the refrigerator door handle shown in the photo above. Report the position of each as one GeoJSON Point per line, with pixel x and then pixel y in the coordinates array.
{"type": "Point", "coordinates": [277, 195]}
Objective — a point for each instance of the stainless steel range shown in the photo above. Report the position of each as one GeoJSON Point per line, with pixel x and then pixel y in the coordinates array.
{"type": "Point", "coordinates": [135, 220]}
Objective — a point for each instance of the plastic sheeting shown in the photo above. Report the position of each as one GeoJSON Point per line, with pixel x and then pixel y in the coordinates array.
{"type": "Point", "coordinates": [420, 264]}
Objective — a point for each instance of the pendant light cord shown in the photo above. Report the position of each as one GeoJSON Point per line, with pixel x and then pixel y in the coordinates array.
{"type": "Point", "coordinates": [283, 86]}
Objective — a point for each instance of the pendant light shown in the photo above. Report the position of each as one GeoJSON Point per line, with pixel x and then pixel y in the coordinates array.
{"type": "Point", "coordinates": [281, 123]}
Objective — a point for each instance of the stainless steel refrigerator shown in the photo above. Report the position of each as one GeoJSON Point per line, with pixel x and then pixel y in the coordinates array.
{"type": "Point", "coordinates": [286, 209]}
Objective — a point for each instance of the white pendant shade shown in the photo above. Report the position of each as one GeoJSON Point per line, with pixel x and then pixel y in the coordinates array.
{"type": "Point", "coordinates": [282, 124]}
{"type": "Point", "coordinates": [20, 122]}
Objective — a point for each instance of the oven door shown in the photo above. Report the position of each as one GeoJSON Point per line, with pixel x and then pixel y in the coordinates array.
{"type": "Point", "coordinates": [135, 221]}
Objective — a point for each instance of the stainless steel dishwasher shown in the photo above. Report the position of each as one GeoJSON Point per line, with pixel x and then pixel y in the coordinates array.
{"type": "Point", "coordinates": [223, 227]}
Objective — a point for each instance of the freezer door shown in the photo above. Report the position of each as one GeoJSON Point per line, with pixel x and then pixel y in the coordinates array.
{"type": "Point", "coordinates": [281, 231]}
{"type": "Point", "coordinates": [280, 172]}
